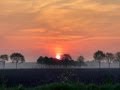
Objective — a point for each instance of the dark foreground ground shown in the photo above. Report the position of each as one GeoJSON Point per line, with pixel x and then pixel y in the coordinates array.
{"type": "Point", "coordinates": [35, 77]}
{"type": "Point", "coordinates": [66, 86]}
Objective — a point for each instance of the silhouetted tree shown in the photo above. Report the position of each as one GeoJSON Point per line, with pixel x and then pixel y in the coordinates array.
{"type": "Point", "coordinates": [40, 60]}
{"type": "Point", "coordinates": [109, 58]}
{"type": "Point", "coordinates": [3, 59]}
{"type": "Point", "coordinates": [54, 61]}
{"type": "Point", "coordinates": [17, 58]}
{"type": "Point", "coordinates": [47, 61]}
{"type": "Point", "coordinates": [81, 60]}
{"type": "Point", "coordinates": [99, 56]}
{"type": "Point", "coordinates": [67, 59]}
{"type": "Point", "coordinates": [117, 56]}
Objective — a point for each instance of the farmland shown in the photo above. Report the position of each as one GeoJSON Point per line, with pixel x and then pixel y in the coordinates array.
{"type": "Point", "coordinates": [35, 77]}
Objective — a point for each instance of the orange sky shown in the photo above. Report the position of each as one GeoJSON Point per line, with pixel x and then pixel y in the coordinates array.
{"type": "Point", "coordinates": [47, 27]}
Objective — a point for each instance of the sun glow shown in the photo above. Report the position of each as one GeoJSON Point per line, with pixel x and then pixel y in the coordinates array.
{"type": "Point", "coordinates": [58, 56]}
{"type": "Point", "coordinates": [58, 51]}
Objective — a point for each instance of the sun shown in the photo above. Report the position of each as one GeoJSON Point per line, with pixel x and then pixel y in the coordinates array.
{"type": "Point", "coordinates": [58, 56]}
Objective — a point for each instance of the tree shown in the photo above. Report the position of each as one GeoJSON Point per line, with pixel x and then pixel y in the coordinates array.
{"type": "Point", "coordinates": [46, 60]}
{"type": "Point", "coordinates": [117, 56]}
{"type": "Point", "coordinates": [3, 59]}
{"type": "Point", "coordinates": [66, 59]}
{"type": "Point", "coordinates": [17, 58]}
{"type": "Point", "coordinates": [40, 60]}
{"type": "Point", "coordinates": [99, 56]}
{"type": "Point", "coordinates": [81, 60]}
{"type": "Point", "coordinates": [109, 57]}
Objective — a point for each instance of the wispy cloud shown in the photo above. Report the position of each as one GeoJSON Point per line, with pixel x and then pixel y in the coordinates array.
{"type": "Point", "coordinates": [61, 16]}
{"type": "Point", "coordinates": [58, 21]}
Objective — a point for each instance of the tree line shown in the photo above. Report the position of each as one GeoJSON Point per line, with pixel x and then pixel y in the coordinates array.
{"type": "Point", "coordinates": [108, 57]}
{"type": "Point", "coordinates": [65, 60]}
{"type": "Point", "coordinates": [14, 57]}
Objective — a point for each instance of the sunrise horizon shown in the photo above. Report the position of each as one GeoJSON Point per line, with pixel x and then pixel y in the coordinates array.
{"type": "Point", "coordinates": [50, 27]}
{"type": "Point", "coordinates": [59, 44]}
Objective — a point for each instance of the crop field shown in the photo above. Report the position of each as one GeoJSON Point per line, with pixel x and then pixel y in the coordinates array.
{"type": "Point", "coordinates": [35, 77]}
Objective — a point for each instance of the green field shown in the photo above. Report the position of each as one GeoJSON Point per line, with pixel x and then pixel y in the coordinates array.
{"type": "Point", "coordinates": [66, 86]}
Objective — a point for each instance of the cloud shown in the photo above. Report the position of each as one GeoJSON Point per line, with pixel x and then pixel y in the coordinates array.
{"type": "Point", "coordinates": [46, 21]}
{"type": "Point", "coordinates": [76, 26]}
{"type": "Point", "coordinates": [15, 6]}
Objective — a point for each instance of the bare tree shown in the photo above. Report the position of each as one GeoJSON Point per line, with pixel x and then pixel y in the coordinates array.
{"type": "Point", "coordinates": [117, 56]}
{"type": "Point", "coordinates": [17, 58]}
{"type": "Point", "coordinates": [109, 57]}
{"type": "Point", "coordinates": [81, 60]}
{"type": "Point", "coordinates": [3, 59]}
{"type": "Point", "coordinates": [67, 59]}
{"type": "Point", "coordinates": [99, 56]}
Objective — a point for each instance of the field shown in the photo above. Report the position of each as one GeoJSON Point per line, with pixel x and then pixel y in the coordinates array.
{"type": "Point", "coordinates": [36, 77]}
{"type": "Point", "coordinates": [66, 86]}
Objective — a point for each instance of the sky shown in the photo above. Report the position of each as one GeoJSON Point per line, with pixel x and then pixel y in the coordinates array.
{"type": "Point", "coordinates": [50, 27]}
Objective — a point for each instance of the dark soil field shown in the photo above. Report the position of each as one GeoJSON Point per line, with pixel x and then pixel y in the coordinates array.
{"type": "Point", "coordinates": [34, 77]}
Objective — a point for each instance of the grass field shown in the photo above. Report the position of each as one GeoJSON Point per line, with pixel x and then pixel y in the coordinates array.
{"type": "Point", "coordinates": [60, 79]}
{"type": "Point", "coordinates": [35, 77]}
